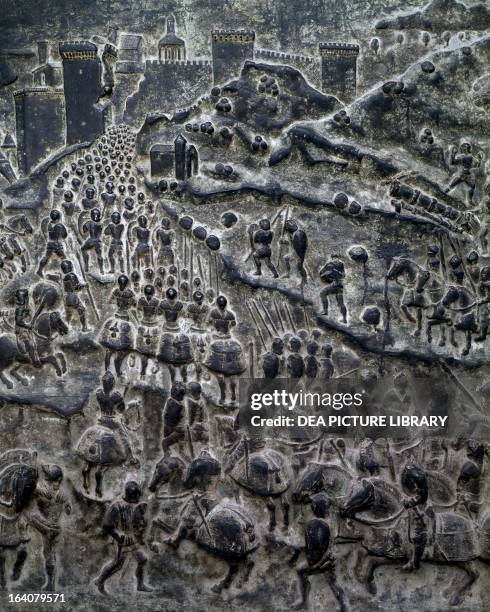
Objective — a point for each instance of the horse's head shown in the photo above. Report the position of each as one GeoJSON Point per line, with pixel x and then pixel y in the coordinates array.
{"type": "Point", "coordinates": [361, 499]}
{"type": "Point", "coordinates": [21, 224]}
{"type": "Point", "coordinates": [168, 469]}
{"type": "Point", "coordinates": [310, 482]}
{"type": "Point", "coordinates": [397, 267]}
{"type": "Point", "coordinates": [57, 324]}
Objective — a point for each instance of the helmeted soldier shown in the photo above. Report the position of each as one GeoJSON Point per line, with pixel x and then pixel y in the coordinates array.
{"type": "Point", "coordinates": [319, 559]}
{"type": "Point", "coordinates": [175, 347]}
{"type": "Point", "coordinates": [197, 310]}
{"type": "Point", "coordinates": [58, 191]}
{"type": "Point", "coordinates": [165, 238]}
{"type": "Point", "coordinates": [94, 229]}
{"type": "Point", "coordinates": [299, 241]}
{"type": "Point", "coordinates": [333, 275]}
{"type": "Point", "coordinates": [89, 201]}
{"type": "Point", "coordinates": [117, 334]}
{"type": "Point", "coordinates": [26, 343]}
{"type": "Point", "coordinates": [51, 504]}
{"type": "Point", "coordinates": [148, 332]}
{"type": "Point", "coordinates": [143, 248]}
{"type": "Point", "coordinates": [115, 230]}
{"type": "Point", "coordinates": [261, 238]}
{"type": "Point", "coordinates": [125, 521]}
{"type": "Point", "coordinates": [196, 412]}
{"type": "Point", "coordinates": [225, 355]}
{"type": "Point", "coordinates": [72, 286]}
{"type": "Point", "coordinates": [414, 482]}
{"type": "Point", "coordinates": [468, 165]}
{"type": "Point", "coordinates": [456, 273]}
{"type": "Point", "coordinates": [326, 364]}
{"type": "Point", "coordinates": [56, 234]}
{"type": "Point", "coordinates": [69, 203]}
{"type": "Point", "coordinates": [295, 362]}
{"type": "Point", "coordinates": [108, 196]}
{"type": "Point", "coordinates": [273, 360]}
{"type": "Point", "coordinates": [312, 365]}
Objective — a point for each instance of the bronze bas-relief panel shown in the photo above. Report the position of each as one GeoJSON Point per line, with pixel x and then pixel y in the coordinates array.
{"type": "Point", "coordinates": [193, 197]}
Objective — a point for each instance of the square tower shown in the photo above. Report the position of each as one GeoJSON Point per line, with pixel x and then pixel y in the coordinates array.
{"type": "Point", "coordinates": [339, 69]}
{"type": "Point", "coordinates": [230, 50]}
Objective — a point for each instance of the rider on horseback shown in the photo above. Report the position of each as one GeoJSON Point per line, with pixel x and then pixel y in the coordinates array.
{"type": "Point", "coordinates": [26, 342]}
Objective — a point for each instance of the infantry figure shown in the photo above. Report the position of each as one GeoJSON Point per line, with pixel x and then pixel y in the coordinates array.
{"type": "Point", "coordinates": [94, 229]}
{"type": "Point", "coordinates": [299, 241]}
{"type": "Point", "coordinates": [56, 234]}
{"type": "Point", "coordinates": [143, 248]}
{"type": "Point", "coordinates": [333, 275]}
{"type": "Point", "coordinates": [165, 238]}
{"type": "Point", "coordinates": [115, 230]}
{"type": "Point", "coordinates": [51, 504]}
{"type": "Point", "coordinates": [125, 521]}
{"type": "Point", "coordinates": [89, 201]}
{"type": "Point", "coordinates": [174, 417]}
{"type": "Point", "coordinates": [319, 559]}
{"type": "Point", "coordinates": [72, 286]}
{"type": "Point", "coordinates": [414, 481]}
{"type": "Point", "coordinates": [468, 165]}
{"type": "Point", "coordinates": [108, 196]}
{"type": "Point", "coordinates": [273, 360]}
{"type": "Point", "coordinates": [295, 362]}
{"type": "Point", "coordinates": [261, 239]}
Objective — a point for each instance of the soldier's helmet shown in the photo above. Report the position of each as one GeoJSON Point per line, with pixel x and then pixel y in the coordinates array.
{"type": "Point", "coordinates": [116, 217]}
{"type": "Point", "coordinates": [198, 297]}
{"type": "Point", "coordinates": [52, 472]}
{"type": "Point", "coordinates": [221, 301]}
{"type": "Point", "coordinates": [108, 381]}
{"type": "Point", "coordinates": [142, 220]}
{"type": "Point", "coordinates": [171, 293]}
{"type": "Point", "coordinates": [122, 281]}
{"type": "Point", "coordinates": [66, 266]}
{"type": "Point", "coordinates": [265, 224]}
{"type": "Point", "coordinates": [55, 215]}
{"type": "Point", "coordinates": [291, 225]}
{"type": "Point", "coordinates": [149, 290]}
{"type": "Point", "coordinates": [95, 214]}
{"type": "Point", "coordinates": [320, 504]}
{"type": "Point", "coordinates": [132, 491]}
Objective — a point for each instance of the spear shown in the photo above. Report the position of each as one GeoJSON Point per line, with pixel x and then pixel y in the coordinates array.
{"type": "Point", "coordinates": [262, 319]}
{"type": "Point", "coordinates": [293, 328]}
{"type": "Point", "coordinates": [201, 273]}
{"type": "Point", "coordinates": [279, 316]}
{"type": "Point", "coordinates": [87, 286]}
{"type": "Point", "coordinates": [256, 325]}
{"type": "Point", "coordinates": [189, 439]}
{"type": "Point", "coordinates": [251, 356]}
{"type": "Point", "coordinates": [191, 267]}
{"type": "Point", "coordinates": [268, 316]}
{"type": "Point", "coordinates": [216, 272]}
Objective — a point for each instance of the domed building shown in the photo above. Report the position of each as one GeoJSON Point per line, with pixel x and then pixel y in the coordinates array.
{"type": "Point", "coordinates": [171, 48]}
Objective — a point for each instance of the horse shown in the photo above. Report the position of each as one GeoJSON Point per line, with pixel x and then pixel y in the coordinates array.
{"type": "Point", "coordinates": [18, 481]}
{"type": "Point", "coordinates": [46, 326]}
{"type": "Point", "coordinates": [382, 529]}
{"type": "Point", "coordinates": [461, 300]}
{"type": "Point", "coordinates": [262, 472]}
{"type": "Point", "coordinates": [226, 531]}
{"type": "Point", "coordinates": [416, 278]}
{"type": "Point", "coordinates": [10, 246]}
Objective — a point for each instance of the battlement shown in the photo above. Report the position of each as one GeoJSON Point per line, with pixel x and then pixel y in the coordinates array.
{"type": "Point", "coordinates": [78, 50]}
{"type": "Point", "coordinates": [233, 36]}
{"type": "Point", "coordinates": [178, 63]}
{"type": "Point", "coordinates": [279, 55]}
{"type": "Point", "coordinates": [339, 49]}
{"type": "Point", "coordinates": [27, 91]}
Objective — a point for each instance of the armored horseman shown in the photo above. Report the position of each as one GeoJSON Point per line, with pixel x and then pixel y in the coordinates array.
{"type": "Point", "coordinates": [148, 331]}
{"type": "Point", "coordinates": [115, 230]}
{"type": "Point", "coordinates": [26, 342]}
{"type": "Point", "coordinates": [175, 346]}
{"type": "Point", "coordinates": [117, 335]}
{"type": "Point", "coordinates": [261, 238]}
{"type": "Point", "coordinates": [94, 229]}
{"type": "Point", "coordinates": [56, 232]}
{"type": "Point", "coordinates": [71, 287]}
{"type": "Point", "coordinates": [125, 522]}
{"type": "Point", "coordinates": [108, 442]}
{"type": "Point", "coordinates": [225, 355]}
